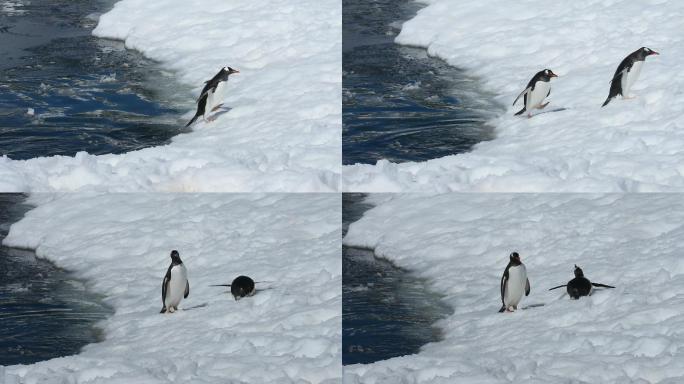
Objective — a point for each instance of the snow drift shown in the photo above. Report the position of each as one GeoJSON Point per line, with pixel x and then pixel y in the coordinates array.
{"type": "Point", "coordinates": [629, 146]}
{"type": "Point", "coordinates": [282, 132]}
{"type": "Point", "coordinates": [289, 332]}
{"type": "Point", "coordinates": [461, 243]}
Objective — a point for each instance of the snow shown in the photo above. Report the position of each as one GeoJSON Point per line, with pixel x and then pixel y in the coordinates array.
{"type": "Point", "coordinates": [460, 243]}
{"type": "Point", "coordinates": [289, 332]}
{"type": "Point", "coordinates": [283, 130]}
{"type": "Point", "coordinates": [632, 145]}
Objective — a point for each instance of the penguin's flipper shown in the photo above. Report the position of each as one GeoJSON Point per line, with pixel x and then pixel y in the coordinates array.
{"type": "Point", "coordinates": [520, 112]}
{"type": "Point", "coordinates": [560, 286]}
{"type": "Point", "coordinates": [602, 285]}
{"type": "Point", "coordinates": [524, 92]}
{"type": "Point", "coordinates": [527, 287]}
{"type": "Point", "coordinates": [201, 105]}
{"type": "Point", "coordinates": [165, 284]}
{"type": "Point", "coordinates": [220, 285]}
{"type": "Point", "coordinates": [187, 289]}
{"type": "Point", "coordinates": [504, 280]}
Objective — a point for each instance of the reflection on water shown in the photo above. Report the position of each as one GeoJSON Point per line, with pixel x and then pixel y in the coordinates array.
{"type": "Point", "coordinates": [44, 311]}
{"type": "Point", "coordinates": [63, 91]}
{"type": "Point", "coordinates": [386, 311]}
{"type": "Point", "coordinates": [398, 103]}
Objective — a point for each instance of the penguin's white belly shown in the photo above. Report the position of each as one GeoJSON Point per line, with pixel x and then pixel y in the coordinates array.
{"type": "Point", "coordinates": [537, 96]}
{"type": "Point", "coordinates": [515, 287]}
{"type": "Point", "coordinates": [176, 287]}
{"type": "Point", "coordinates": [215, 98]}
{"type": "Point", "coordinates": [629, 78]}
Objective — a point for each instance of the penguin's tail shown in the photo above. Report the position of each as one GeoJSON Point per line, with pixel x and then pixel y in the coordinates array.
{"type": "Point", "coordinates": [520, 112]}
{"type": "Point", "coordinates": [163, 310]}
{"type": "Point", "coordinates": [607, 101]}
{"type": "Point", "coordinates": [192, 120]}
{"type": "Point", "coordinates": [575, 293]}
{"type": "Point", "coordinates": [503, 308]}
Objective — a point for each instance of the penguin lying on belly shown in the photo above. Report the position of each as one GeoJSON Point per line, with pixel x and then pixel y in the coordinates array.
{"type": "Point", "coordinates": [580, 285]}
{"type": "Point", "coordinates": [627, 73]}
{"type": "Point", "coordinates": [240, 287]}
{"type": "Point", "coordinates": [536, 91]}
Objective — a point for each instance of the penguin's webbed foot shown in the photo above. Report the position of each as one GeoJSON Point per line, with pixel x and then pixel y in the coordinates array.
{"type": "Point", "coordinates": [628, 97]}
{"type": "Point", "coordinates": [217, 107]}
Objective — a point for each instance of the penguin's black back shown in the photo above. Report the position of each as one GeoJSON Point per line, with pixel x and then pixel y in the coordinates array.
{"type": "Point", "coordinates": [579, 286]}
{"type": "Point", "coordinates": [242, 286]}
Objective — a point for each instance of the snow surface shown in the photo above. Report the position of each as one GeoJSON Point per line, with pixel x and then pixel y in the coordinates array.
{"type": "Point", "coordinates": [461, 243]}
{"type": "Point", "coordinates": [289, 332]}
{"type": "Point", "coordinates": [283, 132]}
{"type": "Point", "coordinates": [631, 145]}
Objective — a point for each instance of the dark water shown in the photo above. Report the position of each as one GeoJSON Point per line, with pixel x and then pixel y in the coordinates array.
{"type": "Point", "coordinates": [398, 103]}
{"type": "Point", "coordinates": [44, 311]}
{"type": "Point", "coordinates": [386, 311]}
{"type": "Point", "coordinates": [63, 91]}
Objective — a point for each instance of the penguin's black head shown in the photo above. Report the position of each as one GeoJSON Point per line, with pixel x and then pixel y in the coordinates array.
{"type": "Point", "coordinates": [515, 258]}
{"type": "Point", "coordinates": [230, 70]}
{"type": "Point", "coordinates": [644, 52]}
{"type": "Point", "coordinates": [578, 271]}
{"type": "Point", "coordinates": [175, 257]}
{"type": "Point", "coordinates": [549, 74]}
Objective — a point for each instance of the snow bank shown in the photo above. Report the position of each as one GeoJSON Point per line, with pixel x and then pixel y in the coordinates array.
{"type": "Point", "coordinates": [288, 332]}
{"type": "Point", "coordinates": [283, 132]}
{"type": "Point", "coordinates": [461, 243]}
{"type": "Point", "coordinates": [631, 145]}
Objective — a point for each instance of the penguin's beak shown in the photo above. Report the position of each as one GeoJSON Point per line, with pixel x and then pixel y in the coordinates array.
{"type": "Point", "coordinates": [654, 53]}
{"type": "Point", "coordinates": [553, 75]}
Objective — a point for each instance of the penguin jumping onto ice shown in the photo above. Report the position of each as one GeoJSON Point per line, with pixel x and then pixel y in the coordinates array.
{"type": "Point", "coordinates": [212, 94]}
{"type": "Point", "coordinates": [175, 286]}
{"type": "Point", "coordinates": [580, 285]}
{"type": "Point", "coordinates": [240, 287]}
{"type": "Point", "coordinates": [514, 283]}
{"type": "Point", "coordinates": [537, 90]}
{"type": "Point", "coordinates": [627, 73]}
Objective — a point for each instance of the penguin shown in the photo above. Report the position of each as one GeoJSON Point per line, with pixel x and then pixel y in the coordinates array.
{"type": "Point", "coordinates": [580, 285]}
{"type": "Point", "coordinates": [175, 285]}
{"type": "Point", "coordinates": [627, 73]}
{"type": "Point", "coordinates": [537, 90]}
{"type": "Point", "coordinates": [240, 287]}
{"type": "Point", "coordinates": [513, 283]}
{"type": "Point", "coordinates": [212, 94]}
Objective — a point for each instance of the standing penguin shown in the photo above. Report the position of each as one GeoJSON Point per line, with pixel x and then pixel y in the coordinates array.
{"type": "Point", "coordinates": [212, 94]}
{"type": "Point", "coordinates": [240, 287]}
{"type": "Point", "coordinates": [537, 90]}
{"type": "Point", "coordinates": [175, 286]}
{"type": "Point", "coordinates": [627, 73]}
{"type": "Point", "coordinates": [580, 285]}
{"type": "Point", "coordinates": [513, 283]}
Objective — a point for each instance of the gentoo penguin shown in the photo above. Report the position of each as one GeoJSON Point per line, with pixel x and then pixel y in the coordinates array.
{"type": "Point", "coordinates": [513, 283]}
{"type": "Point", "coordinates": [627, 73]}
{"type": "Point", "coordinates": [537, 90]}
{"type": "Point", "coordinates": [212, 94]}
{"type": "Point", "coordinates": [240, 287]}
{"type": "Point", "coordinates": [580, 285]}
{"type": "Point", "coordinates": [175, 286]}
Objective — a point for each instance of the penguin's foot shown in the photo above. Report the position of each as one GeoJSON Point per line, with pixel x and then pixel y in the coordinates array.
{"type": "Point", "coordinates": [172, 309]}
{"type": "Point", "coordinates": [628, 97]}
{"type": "Point", "coordinates": [211, 118]}
{"type": "Point", "coordinates": [529, 115]}
{"type": "Point", "coordinates": [217, 107]}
